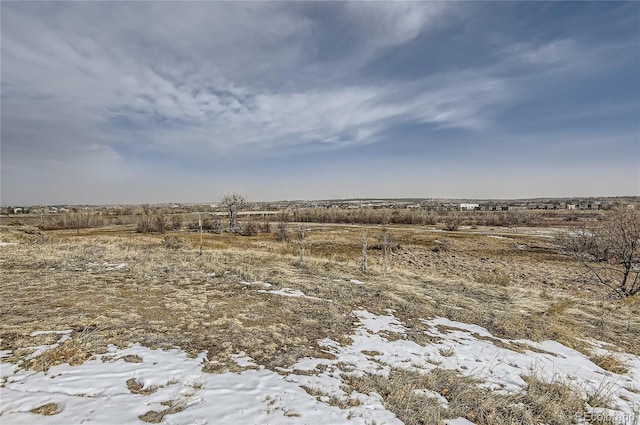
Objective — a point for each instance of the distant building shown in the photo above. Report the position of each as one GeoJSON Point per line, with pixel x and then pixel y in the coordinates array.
{"type": "Point", "coordinates": [469, 207]}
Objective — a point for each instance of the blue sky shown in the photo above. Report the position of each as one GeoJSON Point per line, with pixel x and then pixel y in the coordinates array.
{"type": "Point", "coordinates": [127, 102]}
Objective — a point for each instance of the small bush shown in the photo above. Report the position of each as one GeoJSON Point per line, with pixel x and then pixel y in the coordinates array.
{"type": "Point", "coordinates": [452, 221]}
{"type": "Point", "coordinates": [172, 242]}
{"type": "Point", "coordinates": [209, 224]}
{"type": "Point", "coordinates": [281, 234]}
{"type": "Point", "coordinates": [249, 229]}
{"type": "Point", "coordinates": [213, 224]}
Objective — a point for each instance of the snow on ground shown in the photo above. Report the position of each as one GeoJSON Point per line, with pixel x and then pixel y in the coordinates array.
{"type": "Point", "coordinates": [258, 283]}
{"type": "Point", "coordinates": [545, 233]}
{"type": "Point", "coordinates": [42, 348]}
{"type": "Point", "coordinates": [288, 292]}
{"type": "Point", "coordinates": [97, 392]}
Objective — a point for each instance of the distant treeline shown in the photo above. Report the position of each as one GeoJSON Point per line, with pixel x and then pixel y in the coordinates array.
{"type": "Point", "coordinates": [423, 217]}
{"type": "Point", "coordinates": [450, 219]}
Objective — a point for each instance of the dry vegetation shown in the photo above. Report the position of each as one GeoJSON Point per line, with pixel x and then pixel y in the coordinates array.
{"type": "Point", "coordinates": [113, 286]}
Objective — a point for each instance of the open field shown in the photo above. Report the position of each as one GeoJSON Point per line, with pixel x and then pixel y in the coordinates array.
{"type": "Point", "coordinates": [486, 324]}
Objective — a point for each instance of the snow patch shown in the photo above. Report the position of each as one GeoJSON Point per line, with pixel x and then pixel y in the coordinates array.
{"type": "Point", "coordinates": [65, 332]}
{"type": "Point", "coordinates": [375, 324]}
{"type": "Point", "coordinates": [96, 391]}
{"type": "Point", "coordinates": [258, 283]}
{"type": "Point", "coordinates": [288, 292]}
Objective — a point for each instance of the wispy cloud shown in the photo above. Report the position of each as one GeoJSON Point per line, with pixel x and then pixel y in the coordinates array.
{"type": "Point", "coordinates": [211, 105]}
{"type": "Point", "coordinates": [118, 83]}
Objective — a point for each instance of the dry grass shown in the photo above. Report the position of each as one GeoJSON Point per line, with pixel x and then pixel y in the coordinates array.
{"type": "Point", "coordinates": [71, 352]}
{"type": "Point", "coordinates": [403, 392]}
{"type": "Point", "coordinates": [48, 409]}
{"type": "Point", "coordinates": [494, 277]}
{"type": "Point", "coordinates": [136, 387]}
{"type": "Point", "coordinates": [611, 363]}
{"type": "Point", "coordinates": [154, 417]}
{"type": "Point", "coordinates": [173, 297]}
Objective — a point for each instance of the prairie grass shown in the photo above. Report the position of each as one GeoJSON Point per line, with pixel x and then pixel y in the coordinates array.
{"type": "Point", "coordinates": [112, 286]}
{"type": "Point", "coordinates": [417, 398]}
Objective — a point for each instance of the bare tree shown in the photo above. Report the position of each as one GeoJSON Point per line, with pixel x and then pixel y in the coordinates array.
{"type": "Point", "coordinates": [161, 221]}
{"type": "Point", "coordinates": [385, 239]}
{"type": "Point", "coordinates": [610, 250]}
{"type": "Point", "coordinates": [364, 238]}
{"type": "Point", "coordinates": [282, 234]}
{"type": "Point", "coordinates": [233, 203]}
{"type": "Point", "coordinates": [265, 226]}
{"type": "Point", "coordinates": [145, 222]}
{"type": "Point", "coordinates": [452, 220]}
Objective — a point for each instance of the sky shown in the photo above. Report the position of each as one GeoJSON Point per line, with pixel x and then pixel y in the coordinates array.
{"type": "Point", "coordinates": [133, 102]}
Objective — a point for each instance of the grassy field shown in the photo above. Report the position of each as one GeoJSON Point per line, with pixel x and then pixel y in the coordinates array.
{"type": "Point", "coordinates": [113, 286]}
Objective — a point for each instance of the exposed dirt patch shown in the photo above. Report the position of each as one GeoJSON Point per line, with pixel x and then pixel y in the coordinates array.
{"type": "Point", "coordinates": [136, 387]}
{"type": "Point", "coordinates": [48, 409]}
{"type": "Point", "coordinates": [131, 358]}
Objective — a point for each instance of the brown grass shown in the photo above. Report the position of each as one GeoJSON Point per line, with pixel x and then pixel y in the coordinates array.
{"type": "Point", "coordinates": [611, 363]}
{"type": "Point", "coordinates": [136, 387]}
{"type": "Point", "coordinates": [48, 409]}
{"type": "Point", "coordinates": [401, 392]}
{"type": "Point", "coordinates": [173, 297]}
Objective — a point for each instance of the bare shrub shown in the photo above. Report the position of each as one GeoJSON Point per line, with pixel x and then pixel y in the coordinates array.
{"type": "Point", "coordinates": [265, 226]}
{"type": "Point", "coordinates": [249, 228]}
{"type": "Point", "coordinates": [145, 221]}
{"type": "Point", "coordinates": [610, 250]}
{"type": "Point", "coordinates": [282, 233]}
{"type": "Point", "coordinates": [161, 222]}
{"type": "Point", "coordinates": [211, 224]}
{"type": "Point", "coordinates": [429, 218]}
{"type": "Point", "coordinates": [452, 221]}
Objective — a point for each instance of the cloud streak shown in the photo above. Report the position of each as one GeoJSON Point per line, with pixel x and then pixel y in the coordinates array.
{"type": "Point", "coordinates": [121, 83]}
